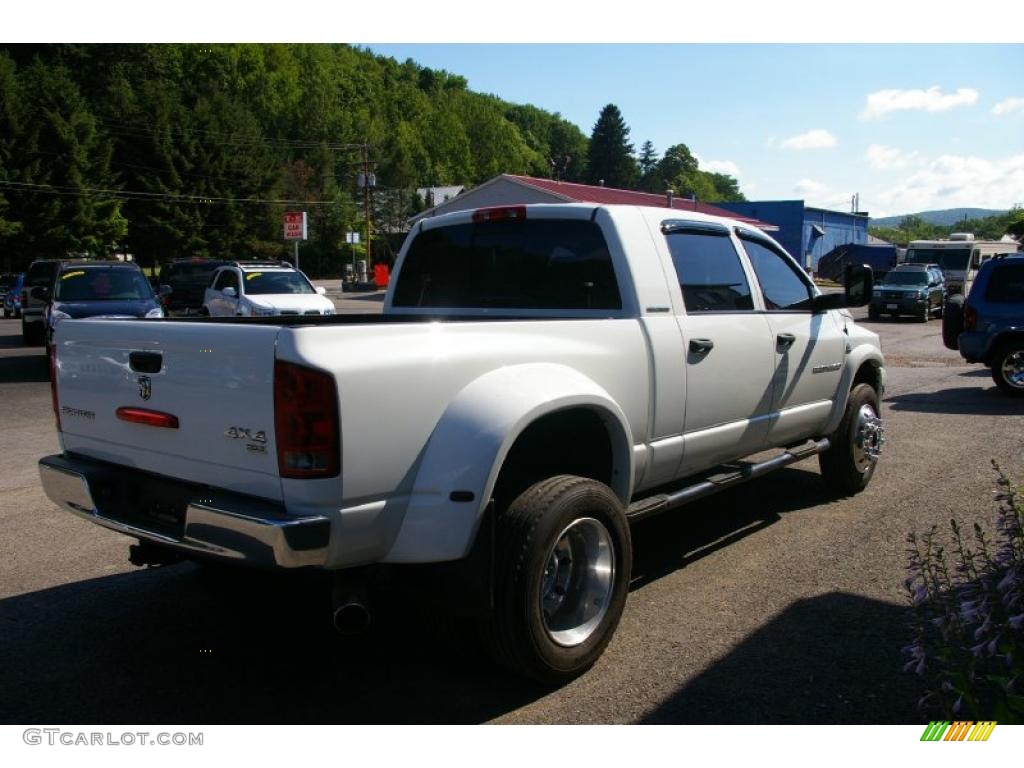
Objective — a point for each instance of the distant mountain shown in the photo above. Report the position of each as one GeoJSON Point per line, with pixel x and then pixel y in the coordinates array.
{"type": "Point", "coordinates": [946, 218]}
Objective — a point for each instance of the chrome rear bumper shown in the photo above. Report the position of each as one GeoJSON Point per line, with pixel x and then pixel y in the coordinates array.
{"type": "Point", "coordinates": [214, 524]}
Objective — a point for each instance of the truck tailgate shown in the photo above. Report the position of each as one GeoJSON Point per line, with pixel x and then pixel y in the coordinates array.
{"type": "Point", "coordinates": [217, 380]}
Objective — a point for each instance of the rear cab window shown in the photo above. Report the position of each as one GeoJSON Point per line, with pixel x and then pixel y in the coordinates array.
{"type": "Point", "coordinates": [529, 264]}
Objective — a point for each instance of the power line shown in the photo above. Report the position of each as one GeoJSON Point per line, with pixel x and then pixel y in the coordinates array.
{"type": "Point", "coordinates": [123, 194]}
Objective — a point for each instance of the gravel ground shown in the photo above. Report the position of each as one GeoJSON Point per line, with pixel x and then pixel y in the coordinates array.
{"type": "Point", "coordinates": [768, 604]}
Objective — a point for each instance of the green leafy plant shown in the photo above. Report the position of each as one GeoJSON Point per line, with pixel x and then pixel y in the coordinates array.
{"type": "Point", "coordinates": [967, 599]}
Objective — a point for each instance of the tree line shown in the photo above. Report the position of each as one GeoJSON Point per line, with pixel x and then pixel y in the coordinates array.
{"type": "Point", "coordinates": [169, 151]}
{"type": "Point", "coordinates": [987, 228]}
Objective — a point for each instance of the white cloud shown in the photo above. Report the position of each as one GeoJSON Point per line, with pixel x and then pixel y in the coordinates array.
{"type": "Point", "coordinates": [814, 139]}
{"type": "Point", "coordinates": [1008, 106]}
{"type": "Point", "coordinates": [880, 103]}
{"type": "Point", "coordinates": [819, 195]}
{"type": "Point", "coordinates": [721, 166]}
{"type": "Point", "coordinates": [887, 158]}
{"type": "Point", "coordinates": [956, 181]}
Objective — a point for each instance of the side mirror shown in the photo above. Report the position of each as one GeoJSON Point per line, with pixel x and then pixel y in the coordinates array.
{"type": "Point", "coordinates": [230, 292]}
{"type": "Point", "coordinates": [166, 290]}
{"type": "Point", "coordinates": [321, 290]}
{"type": "Point", "coordinates": [40, 293]}
{"type": "Point", "coordinates": [860, 283]}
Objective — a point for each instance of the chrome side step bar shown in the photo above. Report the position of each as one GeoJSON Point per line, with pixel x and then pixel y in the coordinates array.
{"type": "Point", "coordinates": [730, 476]}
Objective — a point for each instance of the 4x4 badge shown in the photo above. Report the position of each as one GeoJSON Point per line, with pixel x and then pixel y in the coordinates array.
{"type": "Point", "coordinates": [145, 387]}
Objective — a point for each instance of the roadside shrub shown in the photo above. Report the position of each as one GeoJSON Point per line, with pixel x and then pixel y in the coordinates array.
{"type": "Point", "coordinates": [967, 596]}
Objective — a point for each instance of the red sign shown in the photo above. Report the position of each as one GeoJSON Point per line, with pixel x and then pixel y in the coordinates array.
{"type": "Point", "coordinates": [295, 225]}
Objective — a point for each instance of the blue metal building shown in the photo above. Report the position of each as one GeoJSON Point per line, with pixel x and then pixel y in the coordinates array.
{"type": "Point", "coordinates": [807, 233]}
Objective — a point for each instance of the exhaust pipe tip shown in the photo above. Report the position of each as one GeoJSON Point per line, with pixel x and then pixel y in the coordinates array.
{"type": "Point", "coordinates": [351, 618]}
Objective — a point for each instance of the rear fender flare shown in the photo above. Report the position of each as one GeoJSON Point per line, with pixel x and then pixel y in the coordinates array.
{"type": "Point", "coordinates": [468, 446]}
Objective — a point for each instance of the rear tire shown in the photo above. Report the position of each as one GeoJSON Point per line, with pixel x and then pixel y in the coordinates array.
{"type": "Point", "coordinates": [1008, 368]}
{"type": "Point", "coordinates": [562, 562]}
{"type": "Point", "coordinates": [953, 321]}
{"type": "Point", "coordinates": [849, 464]}
{"type": "Point", "coordinates": [31, 334]}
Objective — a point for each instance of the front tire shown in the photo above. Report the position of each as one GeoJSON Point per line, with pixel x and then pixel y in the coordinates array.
{"type": "Point", "coordinates": [563, 558]}
{"type": "Point", "coordinates": [849, 464]}
{"type": "Point", "coordinates": [1008, 368]}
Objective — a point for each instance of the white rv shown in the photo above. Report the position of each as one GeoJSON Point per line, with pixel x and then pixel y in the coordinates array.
{"type": "Point", "coordinates": [959, 257]}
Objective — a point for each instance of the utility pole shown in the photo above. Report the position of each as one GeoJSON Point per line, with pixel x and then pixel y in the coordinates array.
{"type": "Point", "coordinates": [368, 180]}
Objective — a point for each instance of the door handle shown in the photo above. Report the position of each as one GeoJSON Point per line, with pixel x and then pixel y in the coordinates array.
{"type": "Point", "coordinates": [784, 341]}
{"type": "Point", "coordinates": [701, 346]}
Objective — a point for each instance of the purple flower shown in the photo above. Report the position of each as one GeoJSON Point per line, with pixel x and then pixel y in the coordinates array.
{"type": "Point", "coordinates": [1007, 581]}
{"type": "Point", "coordinates": [977, 649]}
{"type": "Point", "coordinates": [958, 703]}
{"type": "Point", "coordinates": [983, 630]}
{"type": "Point", "coordinates": [993, 646]}
{"type": "Point", "coordinates": [1015, 622]}
{"type": "Point", "coordinates": [920, 667]}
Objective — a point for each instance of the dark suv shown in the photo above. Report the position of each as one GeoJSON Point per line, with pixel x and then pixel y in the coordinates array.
{"type": "Point", "coordinates": [990, 327]}
{"type": "Point", "coordinates": [188, 280]}
{"type": "Point", "coordinates": [909, 289]}
{"type": "Point", "coordinates": [35, 297]}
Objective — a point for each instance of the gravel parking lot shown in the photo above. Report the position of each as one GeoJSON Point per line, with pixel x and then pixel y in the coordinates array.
{"type": "Point", "coordinates": [770, 603]}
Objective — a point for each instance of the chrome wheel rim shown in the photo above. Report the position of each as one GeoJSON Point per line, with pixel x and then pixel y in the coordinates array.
{"type": "Point", "coordinates": [1013, 369]}
{"type": "Point", "coordinates": [868, 437]}
{"type": "Point", "coordinates": [576, 586]}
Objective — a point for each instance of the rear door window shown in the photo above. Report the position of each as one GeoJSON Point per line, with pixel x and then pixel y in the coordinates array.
{"type": "Point", "coordinates": [1006, 284]}
{"type": "Point", "coordinates": [710, 273]}
{"type": "Point", "coordinates": [523, 264]}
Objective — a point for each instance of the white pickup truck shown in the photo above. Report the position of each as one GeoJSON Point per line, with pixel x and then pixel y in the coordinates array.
{"type": "Point", "coordinates": [541, 376]}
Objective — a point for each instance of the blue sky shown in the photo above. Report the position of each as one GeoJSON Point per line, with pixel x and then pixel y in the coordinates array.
{"type": "Point", "coordinates": [909, 127]}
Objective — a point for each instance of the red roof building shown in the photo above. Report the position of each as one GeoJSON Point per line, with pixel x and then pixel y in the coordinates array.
{"type": "Point", "coordinates": [508, 189]}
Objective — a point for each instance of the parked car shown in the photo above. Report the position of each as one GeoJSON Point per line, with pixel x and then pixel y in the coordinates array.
{"type": "Point", "coordinates": [542, 377]}
{"type": "Point", "coordinates": [909, 289]}
{"type": "Point", "coordinates": [110, 289]}
{"type": "Point", "coordinates": [989, 327]}
{"type": "Point", "coordinates": [12, 296]}
{"type": "Point", "coordinates": [36, 292]}
{"type": "Point", "coordinates": [264, 289]}
{"type": "Point", "coordinates": [187, 280]}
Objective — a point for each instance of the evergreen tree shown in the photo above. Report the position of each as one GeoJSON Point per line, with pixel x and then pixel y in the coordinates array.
{"type": "Point", "coordinates": [610, 155]}
{"type": "Point", "coordinates": [73, 207]}
{"type": "Point", "coordinates": [648, 158]}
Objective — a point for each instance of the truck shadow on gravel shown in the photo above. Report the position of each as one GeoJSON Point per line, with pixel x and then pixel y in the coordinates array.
{"type": "Point", "coordinates": [664, 544]}
{"type": "Point", "coordinates": [177, 645]}
{"type": "Point", "coordinates": [18, 369]}
{"type": "Point", "coordinates": [828, 659]}
{"type": "Point", "coordinates": [964, 401]}
{"type": "Point", "coordinates": [181, 644]}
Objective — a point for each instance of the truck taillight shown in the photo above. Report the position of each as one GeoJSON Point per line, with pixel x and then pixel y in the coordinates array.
{"type": "Point", "coordinates": [53, 384]}
{"type": "Point", "coordinates": [970, 318]}
{"type": "Point", "coordinates": [306, 422]}
{"type": "Point", "coordinates": [500, 213]}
